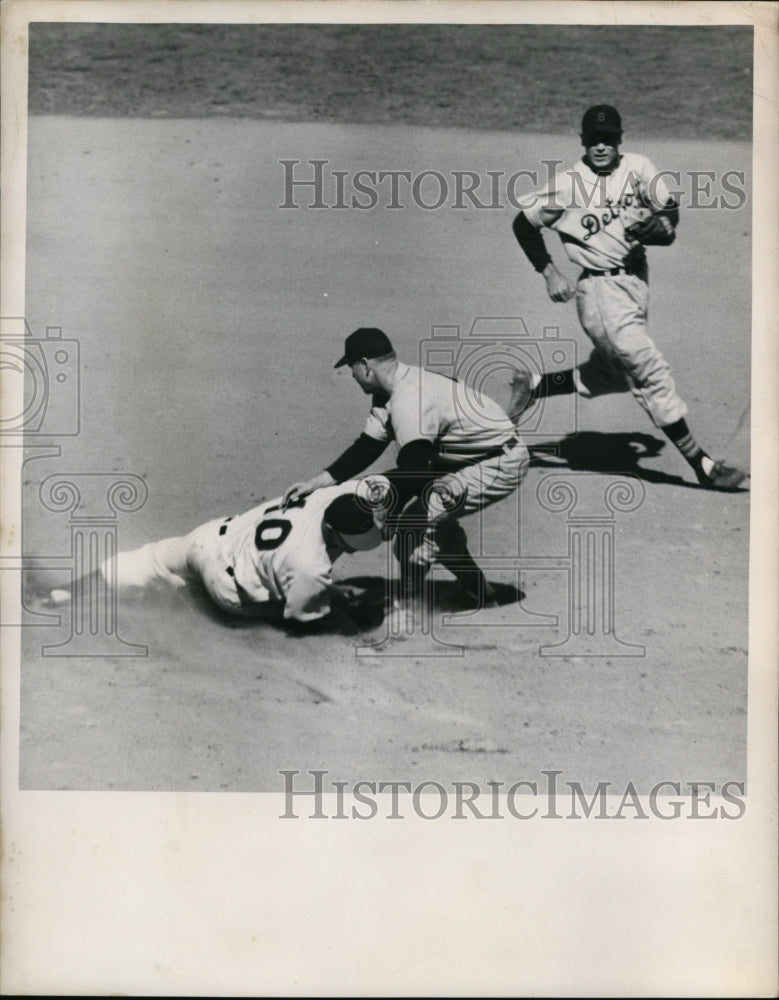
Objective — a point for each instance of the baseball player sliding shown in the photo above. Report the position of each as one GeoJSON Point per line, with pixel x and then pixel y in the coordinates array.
{"type": "Point", "coordinates": [267, 562]}
{"type": "Point", "coordinates": [451, 461]}
{"type": "Point", "coordinates": [606, 209]}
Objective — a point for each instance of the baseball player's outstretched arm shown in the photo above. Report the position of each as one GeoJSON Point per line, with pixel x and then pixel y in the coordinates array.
{"type": "Point", "coordinates": [357, 457]}
{"type": "Point", "coordinates": [299, 490]}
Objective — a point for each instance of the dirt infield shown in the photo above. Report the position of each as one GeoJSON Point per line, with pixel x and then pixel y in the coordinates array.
{"type": "Point", "coordinates": [208, 320]}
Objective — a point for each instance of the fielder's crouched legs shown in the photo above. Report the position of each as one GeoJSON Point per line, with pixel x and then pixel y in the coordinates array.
{"type": "Point", "coordinates": [454, 555]}
{"type": "Point", "coordinates": [415, 549]}
{"type": "Point", "coordinates": [417, 546]}
{"type": "Point", "coordinates": [418, 543]}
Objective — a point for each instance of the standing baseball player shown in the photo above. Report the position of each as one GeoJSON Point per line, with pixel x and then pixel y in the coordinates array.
{"type": "Point", "coordinates": [267, 562]}
{"type": "Point", "coordinates": [451, 461]}
{"type": "Point", "coordinates": [606, 209]}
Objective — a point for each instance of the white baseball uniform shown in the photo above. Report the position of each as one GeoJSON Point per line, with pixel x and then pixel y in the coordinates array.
{"type": "Point", "coordinates": [591, 211]}
{"type": "Point", "coordinates": [250, 564]}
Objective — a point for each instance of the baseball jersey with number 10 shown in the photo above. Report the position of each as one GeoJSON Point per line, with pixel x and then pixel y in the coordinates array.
{"type": "Point", "coordinates": [283, 554]}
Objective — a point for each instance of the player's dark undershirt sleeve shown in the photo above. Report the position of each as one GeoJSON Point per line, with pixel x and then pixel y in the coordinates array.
{"type": "Point", "coordinates": [416, 456]}
{"type": "Point", "coordinates": [357, 457]}
{"type": "Point", "coordinates": [414, 471]}
{"type": "Point", "coordinates": [531, 241]}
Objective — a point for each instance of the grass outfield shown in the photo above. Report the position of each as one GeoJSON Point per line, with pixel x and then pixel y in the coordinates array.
{"type": "Point", "coordinates": [690, 82]}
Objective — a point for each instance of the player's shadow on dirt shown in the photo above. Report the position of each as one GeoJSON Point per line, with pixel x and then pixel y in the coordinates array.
{"type": "Point", "coordinates": [616, 452]}
{"type": "Point", "coordinates": [375, 589]}
{"type": "Point", "coordinates": [445, 592]}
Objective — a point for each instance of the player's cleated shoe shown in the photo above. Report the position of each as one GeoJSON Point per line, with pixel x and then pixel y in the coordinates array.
{"type": "Point", "coordinates": [57, 597]}
{"type": "Point", "coordinates": [721, 477]}
{"type": "Point", "coordinates": [475, 598]}
{"type": "Point", "coordinates": [406, 595]}
{"type": "Point", "coordinates": [41, 602]}
{"type": "Point", "coordinates": [521, 394]}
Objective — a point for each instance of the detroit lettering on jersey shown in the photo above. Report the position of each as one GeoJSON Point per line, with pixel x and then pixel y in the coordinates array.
{"type": "Point", "coordinates": [591, 211]}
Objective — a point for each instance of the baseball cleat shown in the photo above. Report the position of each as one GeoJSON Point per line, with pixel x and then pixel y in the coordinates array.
{"type": "Point", "coordinates": [474, 599]}
{"type": "Point", "coordinates": [58, 596]}
{"type": "Point", "coordinates": [521, 394]}
{"type": "Point", "coordinates": [406, 594]}
{"type": "Point", "coordinates": [722, 477]}
{"type": "Point", "coordinates": [50, 600]}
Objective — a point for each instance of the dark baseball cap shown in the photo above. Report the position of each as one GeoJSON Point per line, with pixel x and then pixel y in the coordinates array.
{"type": "Point", "coordinates": [365, 342]}
{"type": "Point", "coordinates": [353, 522]}
{"type": "Point", "coordinates": [601, 118]}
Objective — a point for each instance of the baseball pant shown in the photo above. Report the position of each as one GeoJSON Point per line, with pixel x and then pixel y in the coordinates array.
{"type": "Point", "coordinates": [613, 313]}
{"type": "Point", "coordinates": [174, 562]}
{"type": "Point", "coordinates": [452, 496]}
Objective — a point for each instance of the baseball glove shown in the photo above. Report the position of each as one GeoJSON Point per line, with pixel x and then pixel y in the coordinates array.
{"type": "Point", "coordinates": [655, 230]}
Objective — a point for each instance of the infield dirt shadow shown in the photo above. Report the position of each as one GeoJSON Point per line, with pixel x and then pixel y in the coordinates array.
{"type": "Point", "coordinates": [615, 453]}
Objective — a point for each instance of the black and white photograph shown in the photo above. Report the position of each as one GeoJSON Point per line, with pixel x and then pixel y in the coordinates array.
{"type": "Point", "coordinates": [388, 433]}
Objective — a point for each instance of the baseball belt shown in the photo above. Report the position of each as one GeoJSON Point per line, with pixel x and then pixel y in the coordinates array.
{"type": "Point", "coordinates": [639, 270]}
{"type": "Point", "coordinates": [501, 449]}
{"type": "Point", "coordinates": [611, 273]}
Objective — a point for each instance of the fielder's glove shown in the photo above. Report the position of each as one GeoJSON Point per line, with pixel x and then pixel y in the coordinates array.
{"type": "Point", "coordinates": [656, 230]}
{"type": "Point", "coordinates": [423, 555]}
{"type": "Point", "coordinates": [354, 610]}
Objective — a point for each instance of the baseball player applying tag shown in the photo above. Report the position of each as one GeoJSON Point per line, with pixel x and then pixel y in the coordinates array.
{"type": "Point", "coordinates": [606, 209]}
{"type": "Point", "coordinates": [451, 461]}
